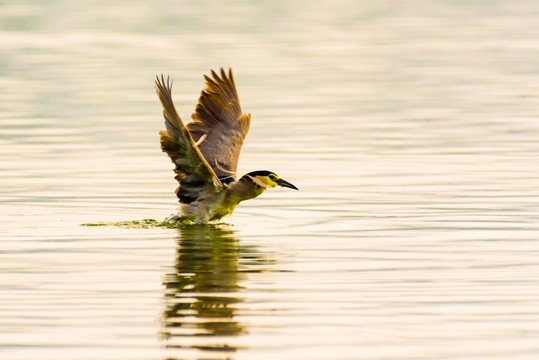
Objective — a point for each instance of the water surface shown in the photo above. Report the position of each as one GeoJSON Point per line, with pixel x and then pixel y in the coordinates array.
{"type": "Point", "coordinates": [410, 128]}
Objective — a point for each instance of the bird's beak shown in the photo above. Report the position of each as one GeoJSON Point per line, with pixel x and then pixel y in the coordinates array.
{"type": "Point", "coordinates": [285, 183]}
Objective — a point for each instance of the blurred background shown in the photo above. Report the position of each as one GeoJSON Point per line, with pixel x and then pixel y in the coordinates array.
{"type": "Point", "coordinates": [410, 128]}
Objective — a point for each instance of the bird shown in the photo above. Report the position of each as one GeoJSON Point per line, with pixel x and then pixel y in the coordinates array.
{"type": "Point", "coordinates": [205, 152]}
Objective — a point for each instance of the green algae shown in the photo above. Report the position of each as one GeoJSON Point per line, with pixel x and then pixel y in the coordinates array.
{"type": "Point", "coordinates": [144, 224]}
{"type": "Point", "coordinates": [150, 224]}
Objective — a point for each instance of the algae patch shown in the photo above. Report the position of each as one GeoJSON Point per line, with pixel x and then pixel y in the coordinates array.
{"type": "Point", "coordinates": [145, 224]}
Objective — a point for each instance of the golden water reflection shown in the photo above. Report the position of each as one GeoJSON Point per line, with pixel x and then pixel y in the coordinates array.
{"type": "Point", "coordinates": [202, 294]}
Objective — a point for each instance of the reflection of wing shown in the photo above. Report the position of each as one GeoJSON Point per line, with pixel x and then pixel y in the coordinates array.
{"type": "Point", "coordinates": [218, 125]}
{"type": "Point", "coordinates": [192, 171]}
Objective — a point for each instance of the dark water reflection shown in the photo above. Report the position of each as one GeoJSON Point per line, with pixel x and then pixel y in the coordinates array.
{"type": "Point", "coordinates": [202, 294]}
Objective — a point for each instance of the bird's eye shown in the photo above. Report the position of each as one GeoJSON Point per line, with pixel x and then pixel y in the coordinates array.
{"type": "Point", "coordinates": [272, 177]}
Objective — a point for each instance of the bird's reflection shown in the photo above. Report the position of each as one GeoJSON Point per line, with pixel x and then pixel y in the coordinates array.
{"type": "Point", "coordinates": [201, 294]}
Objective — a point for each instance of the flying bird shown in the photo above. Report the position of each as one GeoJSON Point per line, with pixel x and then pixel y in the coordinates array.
{"type": "Point", "coordinates": [205, 152]}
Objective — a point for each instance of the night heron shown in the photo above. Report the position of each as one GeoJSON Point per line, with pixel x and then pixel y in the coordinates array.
{"type": "Point", "coordinates": [205, 152]}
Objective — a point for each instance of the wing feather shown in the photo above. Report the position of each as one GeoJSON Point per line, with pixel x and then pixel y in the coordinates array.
{"type": "Point", "coordinates": [218, 117]}
{"type": "Point", "coordinates": [193, 173]}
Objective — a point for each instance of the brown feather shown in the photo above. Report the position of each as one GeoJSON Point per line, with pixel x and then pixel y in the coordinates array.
{"type": "Point", "coordinates": [193, 173]}
{"type": "Point", "coordinates": [218, 114]}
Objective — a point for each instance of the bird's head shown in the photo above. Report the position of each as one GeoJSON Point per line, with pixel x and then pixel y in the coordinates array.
{"type": "Point", "coordinates": [267, 179]}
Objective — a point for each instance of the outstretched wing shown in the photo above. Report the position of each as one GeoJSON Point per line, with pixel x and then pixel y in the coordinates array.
{"type": "Point", "coordinates": [195, 176]}
{"type": "Point", "coordinates": [219, 126]}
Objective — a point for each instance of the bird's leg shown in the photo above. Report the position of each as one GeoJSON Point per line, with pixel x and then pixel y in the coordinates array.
{"type": "Point", "coordinates": [202, 218]}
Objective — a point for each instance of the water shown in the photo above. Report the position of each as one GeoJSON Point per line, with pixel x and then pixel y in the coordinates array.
{"type": "Point", "coordinates": [410, 128]}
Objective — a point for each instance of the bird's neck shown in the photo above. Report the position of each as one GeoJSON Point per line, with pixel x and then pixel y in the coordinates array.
{"type": "Point", "coordinates": [243, 189]}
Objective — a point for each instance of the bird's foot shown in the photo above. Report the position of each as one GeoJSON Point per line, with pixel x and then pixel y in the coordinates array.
{"type": "Point", "coordinates": [174, 218]}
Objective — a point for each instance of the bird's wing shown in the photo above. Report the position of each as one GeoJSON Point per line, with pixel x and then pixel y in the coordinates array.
{"type": "Point", "coordinates": [219, 126]}
{"type": "Point", "coordinates": [195, 176]}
